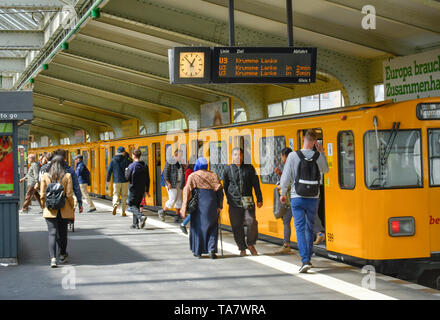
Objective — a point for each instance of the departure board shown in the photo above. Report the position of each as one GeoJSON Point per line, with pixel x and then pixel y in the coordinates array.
{"type": "Point", "coordinates": [263, 65]}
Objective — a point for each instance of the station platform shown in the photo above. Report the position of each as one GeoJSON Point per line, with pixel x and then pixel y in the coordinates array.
{"type": "Point", "coordinates": [108, 260]}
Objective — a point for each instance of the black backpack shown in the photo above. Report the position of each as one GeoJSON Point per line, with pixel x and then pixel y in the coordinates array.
{"type": "Point", "coordinates": [55, 198]}
{"type": "Point", "coordinates": [308, 177]}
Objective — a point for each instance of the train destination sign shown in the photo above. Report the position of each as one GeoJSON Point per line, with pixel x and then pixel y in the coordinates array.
{"type": "Point", "coordinates": [263, 65]}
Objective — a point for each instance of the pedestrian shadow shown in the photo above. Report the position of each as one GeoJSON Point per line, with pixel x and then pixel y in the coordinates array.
{"type": "Point", "coordinates": [88, 248]}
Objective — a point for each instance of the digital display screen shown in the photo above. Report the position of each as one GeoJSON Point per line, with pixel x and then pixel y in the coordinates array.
{"type": "Point", "coordinates": [6, 159]}
{"type": "Point", "coordinates": [428, 111]}
{"type": "Point", "coordinates": [264, 65]}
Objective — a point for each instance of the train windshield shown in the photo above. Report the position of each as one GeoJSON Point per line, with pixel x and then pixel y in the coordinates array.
{"type": "Point", "coordinates": [398, 168]}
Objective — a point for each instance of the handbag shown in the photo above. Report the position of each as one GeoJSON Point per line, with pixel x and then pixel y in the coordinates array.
{"type": "Point", "coordinates": [247, 202]}
{"type": "Point", "coordinates": [279, 209]}
{"type": "Point", "coordinates": [193, 202]}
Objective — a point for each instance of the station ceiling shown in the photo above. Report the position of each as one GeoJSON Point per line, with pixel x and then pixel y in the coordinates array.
{"type": "Point", "coordinates": [116, 66]}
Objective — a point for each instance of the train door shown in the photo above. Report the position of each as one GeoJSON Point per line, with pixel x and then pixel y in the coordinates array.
{"type": "Point", "coordinates": [321, 208]}
{"type": "Point", "coordinates": [157, 172]}
{"type": "Point", "coordinates": [103, 166]}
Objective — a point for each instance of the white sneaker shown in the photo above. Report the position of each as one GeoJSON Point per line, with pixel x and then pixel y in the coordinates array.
{"type": "Point", "coordinates": [63, 258]}
{"type": "Point", "coordinates": [161, 214]}
{"type": "Point", "coordinates": [53, 262]}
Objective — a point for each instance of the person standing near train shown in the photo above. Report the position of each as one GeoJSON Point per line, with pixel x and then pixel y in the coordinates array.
{"type": "Point", "coordinates": [84, 181]}
{"type": "Point", "coordinates": [303, 170]}
{"type": "Point", "coordinates": [239, 179]}
{"type": "Point", "coordinates": [117, 168]}
{"type": "Point", "coordinates": [138, 176]}
{"type": "Point", "coordinates": [32, 183]}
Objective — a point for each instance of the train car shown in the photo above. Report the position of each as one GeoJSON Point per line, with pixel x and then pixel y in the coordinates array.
{"type": "Point", "coordinates": [379, 202]}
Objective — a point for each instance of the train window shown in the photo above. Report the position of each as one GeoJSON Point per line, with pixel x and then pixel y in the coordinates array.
{"type": "Point", "coordinates": [85, 155]}
{"type": "Point", "coordinates": [106, 159]}
{"type": "Point", "coordinates": [270, 149]}
{"type": "Point", "coordinates": [92, 159]}
{"type": "Point", "coordinates": [168, 153]}
{"type": "Point", "coordinates": [112, 151]}
{"type": "Point", "coordinates": [72, 159]}
{"type": "Point", "coordinates": [346, 160]}
{"type": "Point", "coordinates": [393, 162]}
{"type": "Point", "coordinates": [244, 142]}
{"type": "Point", "coordinates": [197, 148]}
{"type": "Point", "coordinates": [218, 157]}
{"type": "Point", "coordinates": [183, 149]}
{"type": "Point", "coordinates": [144, 155]}
{"type": "Point", "coordinates": [434, 157]}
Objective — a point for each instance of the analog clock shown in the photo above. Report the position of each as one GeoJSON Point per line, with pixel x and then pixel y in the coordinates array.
{"type": "Point", "coordinates": [192, 64]}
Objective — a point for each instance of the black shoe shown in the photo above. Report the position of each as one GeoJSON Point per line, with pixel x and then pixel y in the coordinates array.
{"type": "Point", "coordinates": [133, 226]}
{"type": "Point", "coordinates": [63, 257]}
{"type": "Point", "coordinates": [183, 228]}
{"type": "Point", "coordinates": [91, 210]}
{"type": "Point", "coordinates": [305, 267]}
{"type": "Point", "coordinates": [212, 255]}
{"type": "Point", "coordinates": [197, 255]}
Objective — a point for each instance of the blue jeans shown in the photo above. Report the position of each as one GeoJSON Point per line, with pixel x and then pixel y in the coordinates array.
{"type": "Point", "coordinates": [187, 219]}
{"type": "Point", "coordinates": [304, 211]}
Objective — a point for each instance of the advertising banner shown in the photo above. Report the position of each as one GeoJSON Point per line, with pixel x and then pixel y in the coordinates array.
{"type": "Point", "coordinates": [412, 77]}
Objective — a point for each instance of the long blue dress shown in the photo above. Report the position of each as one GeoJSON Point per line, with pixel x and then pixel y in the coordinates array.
{"type": "Point", "coordinates": [204, 222]}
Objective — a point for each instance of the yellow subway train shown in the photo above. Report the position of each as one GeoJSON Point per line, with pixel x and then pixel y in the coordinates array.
{"type": "Point", "coordinates": [380, 202]}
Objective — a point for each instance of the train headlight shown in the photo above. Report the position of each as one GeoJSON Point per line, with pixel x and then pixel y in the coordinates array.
{"type": "Point", "coordinates": [401, 226]}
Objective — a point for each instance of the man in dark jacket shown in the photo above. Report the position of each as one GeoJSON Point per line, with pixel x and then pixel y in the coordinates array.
{"type": "Point", "coordinates": [138, 177]}
{"type": "Point", "coordinates": [174, 176]}
{"type": "Point", "coordinates": [120, 184]}
{"type": "Point", "coordinates": [84, 180]}
{"type": "Point", "coordinates": [239, 179]}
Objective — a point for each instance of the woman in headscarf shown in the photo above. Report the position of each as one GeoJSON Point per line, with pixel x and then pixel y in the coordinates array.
{"type": "Point", "coordinates": [204, 221]}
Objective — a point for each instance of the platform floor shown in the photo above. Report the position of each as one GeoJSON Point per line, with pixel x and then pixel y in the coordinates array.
{"type": "Point", "coordinates": [110, 261]}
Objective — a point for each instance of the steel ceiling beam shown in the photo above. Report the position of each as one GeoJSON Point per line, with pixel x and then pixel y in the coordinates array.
{"type": "Point", "coordinates": [21, 40]}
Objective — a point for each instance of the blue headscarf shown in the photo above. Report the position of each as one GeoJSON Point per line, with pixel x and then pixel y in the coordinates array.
{"type": "Point", "coordinates": [201, 164]}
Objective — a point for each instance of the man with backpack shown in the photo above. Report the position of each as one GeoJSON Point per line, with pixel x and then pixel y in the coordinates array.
{"type": "Point", "coordinates": [117, 168]}
{"type": "Point", "coordinates": [303, 170]}
{"type": "Point", "coordinates": [84, 180]}
{"type": "Point", "coordinates": [138, 177]}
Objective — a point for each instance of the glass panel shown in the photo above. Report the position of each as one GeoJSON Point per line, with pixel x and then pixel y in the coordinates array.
{"type": "Point", "coordinates": [275, 110]}
{"type": "Point", "coordinates": [85, 155]}
{"type": "Point", "coordinates": [144, 155]}
{"type": "Point", "coordinates": [106, 159]}
{"type": "Point", "coordinates": [218, 157]}
{"type": "Point", "coordinates": [309, 104]}
{"type": "Point", "coordinates": [330, 100]}
{"type": "Point", "coordinates": [168, 153]}
{"type": "Point", "coordinates": [244, 142]}
{"type": "Point", "coordinates": [434, 157]}
{"type": "Point", "coordinates": [346, 160]}
{"type": "Point", "coordinates": [270, 149]}
{"type": "Point", "coordinates": [292, 106]}
{"type": "Point", "coordinates": [92, 159]}
{"type": "Point", "coordinates": [6, 160]}
{"type": "Point", "coordinates": [402, 168]}
{"type": "Point", "coordinates": [72, 159]}
{"type": "Point", "coordinates": [6, 127]}
{"type": "Point", "coordinates": [239, 115]}
{"type": "Point", "coordinates": [184, 152]}
{"type": "Point", "coordinates": [379, 93]}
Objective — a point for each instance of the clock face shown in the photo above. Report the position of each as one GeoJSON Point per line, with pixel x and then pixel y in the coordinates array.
{"type": "Point", "coordinates": [192, 64]}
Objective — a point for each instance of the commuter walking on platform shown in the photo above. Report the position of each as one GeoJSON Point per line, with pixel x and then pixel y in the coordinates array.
{"type": "Point", "coordinates": [209, 203]}
{"type": "Point", "coordinates": [32, 183]}
{"type": "Point", "coordinates": [287, 218]}
{"type": "Point", "coordinates": [190, 169]}
{"type": "Point", "coordinates": [239, 179]}
{"type": "Point", "coordinates": [76, 189]}
{"type": "Point", "coordinates": [303, 170]}
{"type": "Point", "coordinates": [173, 175]}
{"type": "Point", "coordinates": [46, 166]}
{"type": "Point", "coordinates": [84, 180]}
{"type": "Point", "coordinates": [138, 177]}
{"type": "Point", "coordinates": [58, 204]}
{"type": "Point", "coordinates": [117, 167]}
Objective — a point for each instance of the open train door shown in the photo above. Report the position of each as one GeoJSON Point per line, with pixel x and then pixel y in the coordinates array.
{"type": "Point", "coordinates": [321, 208]}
